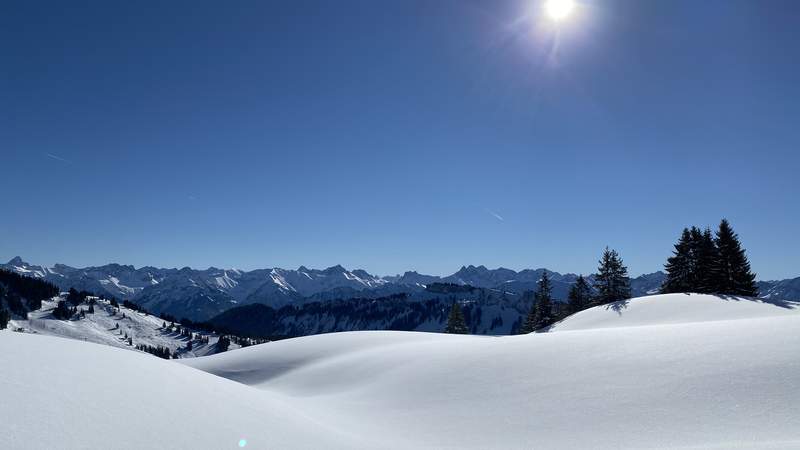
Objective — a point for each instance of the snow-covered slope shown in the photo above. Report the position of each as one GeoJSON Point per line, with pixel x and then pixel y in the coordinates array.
{"type": "Point", "coordinates": [675, 309]}
{"type": "Point", "coordinates": [64, 394]}
{"type": "Point", "coordinates": [110, 326]}
{"type": "Point", "coordinates": [663, 372]}
{"type": "Point", "coordinates": [671, 371]}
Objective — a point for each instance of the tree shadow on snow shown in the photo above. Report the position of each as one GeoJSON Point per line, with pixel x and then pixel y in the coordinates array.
{"type": "Point", "coordinates": [618, 306]}
{"type": "Point", "coordinates": [786, 304]}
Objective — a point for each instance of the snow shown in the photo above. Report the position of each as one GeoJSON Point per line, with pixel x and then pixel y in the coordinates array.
{"type": "Point", "coordinates": [675, 309]}
{"type": "Point", "coordinates": [666, 371]}
{"type": "Point", "coordinates": [65, 394]}
{"type": "Point", "coordinates": [101, 327]}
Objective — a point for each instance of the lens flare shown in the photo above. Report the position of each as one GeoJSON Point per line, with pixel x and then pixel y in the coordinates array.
{"type": "Point", "coordinates": [242, 443]}
{"type": "Point", "coordinates": [559, 9]}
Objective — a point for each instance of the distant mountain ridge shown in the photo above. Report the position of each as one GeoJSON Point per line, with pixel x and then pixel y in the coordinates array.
{"type": "Point", "coordinates": [201, 294]}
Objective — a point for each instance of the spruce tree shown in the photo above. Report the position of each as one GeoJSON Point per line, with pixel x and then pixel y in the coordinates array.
{"type": "Point", "coordinates": [579, 296]}
{"type": "Point", "coordinates": [735, 277]}
{"type": "Point", "coordinates": [222, 344]}
{"type": "Point", "coordinates": [62, 311]}
{"type": "Point", "coordinates": [611, 281]}
{"type": "Point", "coordinates": [707, 267]}
{"type": "Point", "coordinates": [678, 266]}
{"type": "Point", "coordinates": [543, 310]}
{"type": "Point", "coordinates": [455, 321]}
{"type": "Point", "coordinates": [5, 316]}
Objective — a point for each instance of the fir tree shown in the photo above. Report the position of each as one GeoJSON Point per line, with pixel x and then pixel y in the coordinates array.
{"type": "Point", "coordinates": [222, 344]}
{"type": "Point", "coordinates": [579, 296]}
{"type": "Point", "coordinates": [734, 275]}
{"type": "Point", "coordinates": [529, 325]}
{"type": "Point", "coordinates": [612, 282]}
{"type": "Point", "coordinates": [5, 316]}
{"type": "Point", "coordinates": [62, 311]}
{"type": "Point", "coordinates": [72, 296]}
{"type": "Point", "coordinates": [678, 266]}
{"type": "Point", "coordinates": [543, 311]}
{"type": "Point", "coordinates": [707, 278]}
{"type": "Point", "coordinates": [455, 321]}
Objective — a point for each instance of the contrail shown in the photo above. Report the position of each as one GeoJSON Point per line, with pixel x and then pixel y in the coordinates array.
{"type": "Point", "coordinates": [58, 158]}
{"type": "Point", "coordinates": [496, 216]}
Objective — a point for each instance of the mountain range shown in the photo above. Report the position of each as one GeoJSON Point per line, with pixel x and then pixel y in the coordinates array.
{"type": "Point", "coordinates": [201, 294]}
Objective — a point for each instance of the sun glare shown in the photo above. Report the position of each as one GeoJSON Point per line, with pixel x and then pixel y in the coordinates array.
{"type": "Point", "coordinates": [559, 10]}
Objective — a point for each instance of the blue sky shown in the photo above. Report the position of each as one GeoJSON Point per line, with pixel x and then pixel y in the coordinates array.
{"type": "Point", "coordinates": [397, 136]}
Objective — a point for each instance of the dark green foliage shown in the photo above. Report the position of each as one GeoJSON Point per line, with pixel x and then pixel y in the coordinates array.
{"type": "Point", "coordinates": [161, 352]}
{"type": "Point", "coordinates": [15, 304]}
{"type": "Point", "coordinates": [679, 266]}
{"type": "Point", "coordinates": [5, 316]}
{"type": "Point", "coordinates": [611, 282]}
{"type": "Point", "coordinates": [455, 321]}
{"type": "Point", "coordinates": [579, 297]}
{"type": "Point", "coordinates": [693, 265]}
{"type": "Point", "coordinates": [700, 263]}
{"type": "Point", "coordinates": [75, 298]}
{"type": "Point", "coordinates": [222, 344]}
{"type": "Point", "coordinates": [707, 278]}
{"type": "Point", "coordinates": [62, 311]}
{"type": "Point", "coordinates": [543, 310]}
{"type": "Point", "coordinates": [28, 292]}
{"type": "Point", "coordinates": [735, 276]}
{"type": "Point", "coordinates": [131, 305]}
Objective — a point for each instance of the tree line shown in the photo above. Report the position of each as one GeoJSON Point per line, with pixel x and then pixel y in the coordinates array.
{"type": "Point", "coordinates": [710, 264]}
{"type": "Point", "coordinates": [20, 294]}
{"type": "Point", "coordinates": [702, 262]}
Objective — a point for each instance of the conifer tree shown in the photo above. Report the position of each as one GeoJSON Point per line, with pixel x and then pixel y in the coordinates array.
{"type": "Point", "coordinates": [735, 277]}
{"type": "Point", "coordinates": [529, 324]}
{"type": "Point", "coordinates": [62, 311]}
{"type": "Point", "coordinates": [5, 316]}
{"type": "Point", "coordinates": [707, 278]}
{"type": "Point", "coordinates": [455, 321]}
{"type": "Point", "coordinates": [222, 344]}
{"type": "Point", "coordinates": [678, 266]}
{"type": "Point", "coordinates": [73, 297]}
{"type": "Point", "coordinates": [543, 311]}
{"type": "Point", "coordinates": [579, 296]}
{"type": "Point", "coordinates": [611, 281]}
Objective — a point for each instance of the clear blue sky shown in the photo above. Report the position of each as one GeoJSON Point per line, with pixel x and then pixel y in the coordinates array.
{"type": "Point", "coordinates": [397, 135]}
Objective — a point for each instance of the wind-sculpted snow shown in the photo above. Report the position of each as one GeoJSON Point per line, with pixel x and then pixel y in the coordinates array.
{"type": "Point", "coordinates": [64, 394]}
{"type": "Point", "coordinates": [727, 375]}
{"type": "Point", "coordinates": [676, 309]}
{"type": "Point", "coordinates": [656, 376]}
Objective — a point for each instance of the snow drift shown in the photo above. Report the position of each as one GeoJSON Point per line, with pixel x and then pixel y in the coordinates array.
{"type": "Point", "coordinates": [664, 371]}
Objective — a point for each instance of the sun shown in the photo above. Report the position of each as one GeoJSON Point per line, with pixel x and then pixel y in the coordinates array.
{"type": "Point", "coordinates": [559, 10]}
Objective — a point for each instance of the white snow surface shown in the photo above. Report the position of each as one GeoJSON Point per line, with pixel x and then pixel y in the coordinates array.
{"type": "Point", "coordinates": [666, 371]}
{"type": "Point", "coordinates": [108, 326]}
